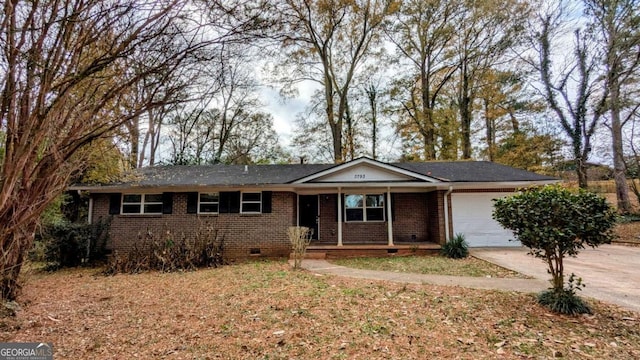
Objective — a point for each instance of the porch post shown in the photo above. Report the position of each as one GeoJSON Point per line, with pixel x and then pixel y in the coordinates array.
{"type": "Point", "coordinates": [339, 216]}
{"type": "Point", "coordinates": [389, 218]}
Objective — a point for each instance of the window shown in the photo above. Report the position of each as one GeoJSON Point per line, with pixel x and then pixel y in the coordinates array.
{"type": "Point", "coordinates": [361, 207]}
{"type": "Point", "coordinates": [209, 203]}
{"type": "Point", "coordinates": [142, 204]}
{"type": "Point", "coordinates": [251, 202]}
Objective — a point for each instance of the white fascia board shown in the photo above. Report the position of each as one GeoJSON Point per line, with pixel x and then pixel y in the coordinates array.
{"type": "Point", "coordinates": [500, 184]}
{"type": "Point", "coordinates": [366, 161]}
{"type": "Point", "coordinates": [392, 185]}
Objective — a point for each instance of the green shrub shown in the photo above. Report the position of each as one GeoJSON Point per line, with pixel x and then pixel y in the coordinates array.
{"type": "Point", "coordinates": [555, 222]}
{"type": "Point", "coordinates": [63, 244]}
{"type": "Point", "coordinates": [456, 248]}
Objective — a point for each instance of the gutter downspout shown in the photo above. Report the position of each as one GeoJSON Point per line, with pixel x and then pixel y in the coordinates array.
{"type": "Point", "coordinates": [90, 214]}
{"type": "Point", "coordinates": [89, 221]}
{"type": "Point", "coordinates": [446, 213]}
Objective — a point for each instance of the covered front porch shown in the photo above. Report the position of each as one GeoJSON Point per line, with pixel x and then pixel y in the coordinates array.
{"type": "Point", "coordinates": [376, 220]}
{"type": "Point", "coordinates": [369, 206]}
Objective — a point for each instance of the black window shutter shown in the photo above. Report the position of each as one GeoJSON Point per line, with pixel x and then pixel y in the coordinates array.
{"type": "Point", "coordinates": [266, 202]}
{"type": "Point", "coordinates": [234, 202]}
{"type": "Point", "coordinates": [192, 203]}
{"type": "Point", "coordinates": [223, 206]}
{"type": "Point", "coordinates": [114, 204]}
{"type": "Point", "coordinates": [167, 203]}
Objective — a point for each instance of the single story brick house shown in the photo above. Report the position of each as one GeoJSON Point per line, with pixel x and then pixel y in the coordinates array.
{"type": "Point", "coordinates": [363, 202]}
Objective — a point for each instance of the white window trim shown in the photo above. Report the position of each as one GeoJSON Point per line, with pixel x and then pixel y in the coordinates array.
{"type": "Point", "coordinates": [242, 202]}
{"type": "Point", "coordinates": [364, 209]}
{"type": "Point", "coordinates": [208, 202]}
{"type": "Point", "coordinates": [142, 203]}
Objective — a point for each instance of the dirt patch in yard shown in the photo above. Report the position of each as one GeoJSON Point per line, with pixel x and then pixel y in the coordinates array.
{"type": "Point", "coordinates": [265, 310]}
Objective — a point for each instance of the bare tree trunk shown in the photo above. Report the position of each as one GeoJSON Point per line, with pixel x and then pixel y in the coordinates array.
{"type": "Point", "coordinates": [133, 128]}
{"type": "Point", "coordinates": [429, 133]}
{"type": "Point", "coordinates": [465, 111]}
{"type": "Point", "coordinates": [351, 146]}
{"type": "Point", "coordinates": [619, 168]}
{"type": "Point", "coordinates": [372, 96]}
{"type": "Point", "coordinates": [490, 124]}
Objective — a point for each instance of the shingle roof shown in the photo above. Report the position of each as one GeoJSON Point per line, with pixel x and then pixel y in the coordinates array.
{"type": "Point", "coordinates": [472, 171]}
{"type": "Point", "coordinates": [235, 175]}
{"type": "Point", "coordinates": [220, 174]}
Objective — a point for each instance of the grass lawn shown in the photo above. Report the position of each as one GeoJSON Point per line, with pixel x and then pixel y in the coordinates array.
{"type": "Point", "coordinates": [438, 265]}
{"type": "Point", "coordinates": [264, 310]}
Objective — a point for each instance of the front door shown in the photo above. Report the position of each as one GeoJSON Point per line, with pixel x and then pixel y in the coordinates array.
{"type": "Point", "coordinates": [308, 213]}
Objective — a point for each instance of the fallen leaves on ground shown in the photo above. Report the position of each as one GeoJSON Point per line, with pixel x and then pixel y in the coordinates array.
{"type": "Point", "coordinates": [628, 233]}
{"type": "Point", "coordinates": [265, 310]}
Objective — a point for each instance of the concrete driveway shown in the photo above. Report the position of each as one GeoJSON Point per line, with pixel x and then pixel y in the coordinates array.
{"type": "Point", "coordinates": [611, 272]}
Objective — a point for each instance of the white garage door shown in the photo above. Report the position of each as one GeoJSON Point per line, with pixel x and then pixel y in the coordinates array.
{"type": "Point", "coordinates": [472, 217]}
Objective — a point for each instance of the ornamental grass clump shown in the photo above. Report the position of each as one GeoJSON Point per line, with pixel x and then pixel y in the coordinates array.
{"type": "Point", "coordinates": [555, 222]}
{"type": "Point", "coordinates": [456, 248]}
{"type": "Point", "coordinates": [300, 238]}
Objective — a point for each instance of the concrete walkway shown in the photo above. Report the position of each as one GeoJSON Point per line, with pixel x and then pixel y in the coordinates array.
{"type": "Point", "coordinates": [520, 285]}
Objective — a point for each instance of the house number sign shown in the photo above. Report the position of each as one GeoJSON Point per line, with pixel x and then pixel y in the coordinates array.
{"type": "Point", "coordinates": [359, 176]}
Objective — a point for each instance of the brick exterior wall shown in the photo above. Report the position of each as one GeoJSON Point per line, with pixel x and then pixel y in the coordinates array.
{"type": "Point", "coordinates": [411, 217]}
{"type": "Point", "coordinates": [418, 217]}
{"type": "Point", "coordinates": [328, 222]}
{"type": "Point", "coordinates": [436, 209]}
{"type": "Point", "coordinates": [242, 232]}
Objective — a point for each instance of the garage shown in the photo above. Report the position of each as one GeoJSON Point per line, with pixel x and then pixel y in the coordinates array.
{"type": "Point", "coordinates": [471, 216]}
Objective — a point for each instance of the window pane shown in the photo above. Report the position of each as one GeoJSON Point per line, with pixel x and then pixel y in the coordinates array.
{"type": "Point", "coordinates": [353, 201]}
{"type": "Point", "coordinates": [354, 215]}
{"type": "Point", "coordinates": [250, 207]}
{"type": "Point", "coordinates": [208, 208]}
{"type": "Point", "coordinates": [376, 214]}
{"type": "Point", "coordinates": [132, 198]}
{"type": "Point", "coordinates": [251, 196]}
{"type": "Point", "coordinates": [375, 200]}
{"type": "Point", "coordinates": [153, 208]}
{"type": "Point", "coordinates": [151, 198]}
{"type": "Point", "coordinates": [213, 197]}
{"type": "Point", "coordinates": [131, 209]}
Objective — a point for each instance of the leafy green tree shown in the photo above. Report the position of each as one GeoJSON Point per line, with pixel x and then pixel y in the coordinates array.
{"type": "Point", "coordinates": [527, 149]}
{"type": "Point", "coordinates": [555, 222]}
